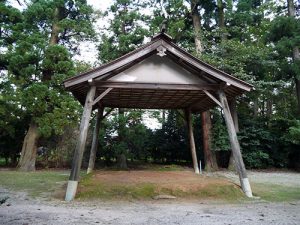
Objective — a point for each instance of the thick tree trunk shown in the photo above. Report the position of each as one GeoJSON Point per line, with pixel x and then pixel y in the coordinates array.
{"type": "Point", "coordinates": [221, 19]}
{"type": "Point", "coordinates": [206, 123]}
{"type": "Point", "coordinates": [29, 148]}
{"type": "Point", "coordinates": [255, 107]}
{"type": "Point", "coordinates": [122, 162]}
{"type": "Point", "coordinates": [55, 29]}
{"type": "Point", "coordinates": [209, 156]}
{"type": "Point", "coordinates": [296, 56]}
{"type": "Point", "coordinates": [269, 107]}
{"type": "Point", "coordinates": [197, 26]}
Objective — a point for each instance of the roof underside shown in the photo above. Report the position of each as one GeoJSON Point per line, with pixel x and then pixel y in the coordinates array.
{"type": "Point", "coordinates": [156, 94]}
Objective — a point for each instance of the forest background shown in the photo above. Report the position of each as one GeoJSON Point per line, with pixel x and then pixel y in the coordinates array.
{"type": "Point", "coordinates": [254, 40]}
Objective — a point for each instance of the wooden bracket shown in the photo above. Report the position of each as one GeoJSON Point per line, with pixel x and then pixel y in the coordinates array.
{"type": "Point", "coordinates": [102, 95]}
{"type": "Point", "coordinates": [212, 98]}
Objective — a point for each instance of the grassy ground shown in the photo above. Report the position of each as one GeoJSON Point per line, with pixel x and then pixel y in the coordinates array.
{"type": "Point", "coordinates": [49, 183]}
{"type": "Point", "coordinates": [92, 188]}
{"type": "Point", "coordinates": [276, 193]}
{"type": "Point", "coordinates": [36, 184]}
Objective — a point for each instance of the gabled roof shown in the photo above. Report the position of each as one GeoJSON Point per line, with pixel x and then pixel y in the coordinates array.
{"type": "Point", "coordinates": [160, 44]}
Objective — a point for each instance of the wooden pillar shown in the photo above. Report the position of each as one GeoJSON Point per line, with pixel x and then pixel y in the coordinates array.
{"type": "Point", "coordinates": [189, 122]}
{"type": "Point", "coordinates": [80, 146]}
{"type": "Point", "coordinates": [94, 147]}
{"type": "Point", "coordinates": [233, 111]}
{"type": "Point", "coordinates": [235, 146]}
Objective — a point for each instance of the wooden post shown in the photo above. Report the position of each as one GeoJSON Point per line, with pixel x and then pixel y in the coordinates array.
{"type": "Point", "coordinates": [80, 146]}
{"type": "Point", "coordinates": [189, 121]}
{"type": "Point", "coordinates": [235, 146]}
{"type": "Point", "coordinates": [95, 140]}
{"type": "Point", "coordinates": [233, 111]}
{"type": "Point", "coordinates": [232, 107]}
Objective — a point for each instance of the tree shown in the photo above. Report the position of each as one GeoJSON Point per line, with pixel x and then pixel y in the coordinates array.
{"type": "Point", "coordinates": [210, 162]}
{"type": "Point", "coordinates": [45, 62]}
{"type": "Point", "coordinates": [125, 31]}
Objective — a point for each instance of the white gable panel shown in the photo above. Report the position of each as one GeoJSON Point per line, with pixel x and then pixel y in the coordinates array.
{"type": "Point", "coordinates": [156, 69]}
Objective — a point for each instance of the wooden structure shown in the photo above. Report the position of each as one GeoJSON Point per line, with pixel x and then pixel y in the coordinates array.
{"type": "Point", "coordinates": [158, 75]}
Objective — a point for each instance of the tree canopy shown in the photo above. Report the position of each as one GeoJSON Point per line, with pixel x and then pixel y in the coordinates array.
{"type": "Point", "coordinates": [256, 41]}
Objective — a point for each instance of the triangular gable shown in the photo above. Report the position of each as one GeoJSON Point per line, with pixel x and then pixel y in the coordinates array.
{"type": "Point", "coordinates": [157, 69]}
{"type": "Point", "coordinates": [160, 44]}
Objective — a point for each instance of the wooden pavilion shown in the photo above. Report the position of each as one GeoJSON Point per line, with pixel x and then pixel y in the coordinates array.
{"type": "Point", "coordinates": [158, 75]}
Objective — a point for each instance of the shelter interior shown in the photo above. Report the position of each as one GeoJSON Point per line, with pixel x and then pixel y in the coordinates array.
{"type": "Point", "coordinates": [158, 75]}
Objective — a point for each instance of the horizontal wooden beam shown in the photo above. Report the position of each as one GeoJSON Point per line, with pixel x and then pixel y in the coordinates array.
{"type": "Point", "coordinates": [157, 86]}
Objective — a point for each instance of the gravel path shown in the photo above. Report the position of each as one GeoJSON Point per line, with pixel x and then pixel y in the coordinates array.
{"type": "Point", "coordinates": [21, 210]}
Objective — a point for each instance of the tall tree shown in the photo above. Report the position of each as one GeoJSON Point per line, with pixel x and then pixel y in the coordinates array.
{"type": "Point", "coordinates": [210, 162]}
{"type": "Point", "coordinates": [45, 61]}
{"type": "Point", "coordinates": [296, 56]}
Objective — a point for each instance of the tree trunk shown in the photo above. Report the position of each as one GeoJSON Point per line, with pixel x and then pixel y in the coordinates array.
{"type": "Point", "coordinates": [269, 107]}
{"type": "Point", "coordinates": [189, 123]}
{"type": "Point", "coordinates": [206, 123]}
{"type": "Point", "coordinates": [255, 107]}
{"type": "Point", "coordinates": [121, 158]}
{"type": "Point", "coordinates": [221, 19]}
{"type": "Point", "coordinates": [29, 148]}
{"type": "Point", "coordinates": [296, 56]}
{"type": "Point", "coordinates": [55, 29]}
{"type": "Point", "coordinates": [197, 26]}
{"type": "Point", "coordinates": [95, 143]}
{"type": "Point", "coordinates": [122, 162]}
{"type": "Point", "coordinates": [209, 156]}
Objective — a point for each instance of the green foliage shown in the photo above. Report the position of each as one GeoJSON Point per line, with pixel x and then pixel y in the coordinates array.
{"type": "Point", "coordinates": [132, 139]}
{"type": "Point", "coordinates": [125, 31]}
{"type": "Point", "coordinates": [293, 134]}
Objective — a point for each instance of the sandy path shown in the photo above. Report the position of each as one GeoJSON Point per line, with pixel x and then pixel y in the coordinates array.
{"type": "Point", "coordinates": [30, 212]}
{"type": "Point", "coordinates": [20, 210]}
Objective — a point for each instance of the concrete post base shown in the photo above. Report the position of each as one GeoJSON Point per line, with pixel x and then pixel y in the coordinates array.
{"type": "Point", "coordinates": [246, 187]}
{"type": "Point", "coordinates": [89, 170]}
{"type": "Point", "coordinates": [71, 190]}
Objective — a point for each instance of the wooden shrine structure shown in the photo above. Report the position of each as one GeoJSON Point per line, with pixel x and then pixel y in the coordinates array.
{"type": "Point", "coordinates": [157, 75]}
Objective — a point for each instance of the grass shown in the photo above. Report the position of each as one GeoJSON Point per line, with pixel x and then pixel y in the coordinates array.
{"type": "Point", "coordinates": [91, 189]}
{"type": "Point", "coordinates": [47, 183]}
{"type": "Point", "coordinates": [36, 184]}
{"type": "Point", "coordinates": [158, 167]}
{"type": "Point", "coordinates": [276, 193]}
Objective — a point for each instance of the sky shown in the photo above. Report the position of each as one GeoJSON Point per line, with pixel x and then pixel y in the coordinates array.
{"type": "Point", "coordinates": [88, 51]}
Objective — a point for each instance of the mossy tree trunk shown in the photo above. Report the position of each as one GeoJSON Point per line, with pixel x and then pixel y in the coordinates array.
{"type": "Point", "coordinates": [29, 149]}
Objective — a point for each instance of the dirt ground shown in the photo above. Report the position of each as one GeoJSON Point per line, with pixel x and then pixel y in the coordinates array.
{"type": "Point", "coordinates": [20, 209]}
{"type": "Point", "coordinates": [182, 180]}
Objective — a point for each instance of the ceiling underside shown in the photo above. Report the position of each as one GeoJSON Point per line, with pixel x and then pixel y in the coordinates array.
{"type": "Point", "coordinates": [131, 96]}
{"type": "Point", "coordinates": [196, 100]}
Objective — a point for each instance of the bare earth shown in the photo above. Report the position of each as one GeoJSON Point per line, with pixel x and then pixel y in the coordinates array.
{"type": "Point", "coordinates": [19, 209]}
{"type": "Point", "coordinates": [183, 180]}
